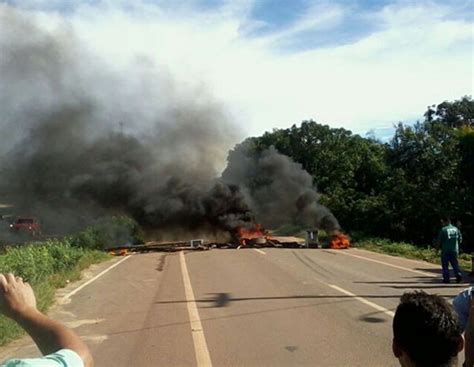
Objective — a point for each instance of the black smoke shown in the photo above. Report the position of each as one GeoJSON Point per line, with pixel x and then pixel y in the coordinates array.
{"type": "Point", "coordinates": [81, 140]}
{"type": "Point", "coordinates": [279, 191]}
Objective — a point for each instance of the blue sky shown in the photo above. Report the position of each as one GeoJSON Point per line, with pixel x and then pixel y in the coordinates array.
{"type": "Point", "coordinates": [274, 16]}
{"type": "Point", "coordinates": [360, 64]}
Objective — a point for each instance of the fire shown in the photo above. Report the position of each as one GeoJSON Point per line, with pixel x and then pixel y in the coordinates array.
{"type": "Point", "coordinates": [339, 241]}
{"type": "Point", "coordinates": [254, 235]}
{"type": "Point", "coordinates": [119, 252]}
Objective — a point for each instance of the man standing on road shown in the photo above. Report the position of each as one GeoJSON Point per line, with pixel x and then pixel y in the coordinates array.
{"type": "Point", "coordinates": [60, 346]}
{"type": "Point", "coordinates": [449, 238]}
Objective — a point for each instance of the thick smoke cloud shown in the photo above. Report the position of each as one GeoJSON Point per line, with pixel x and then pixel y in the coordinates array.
{"type": "Point", "coordinates": [277, 189]}
{"type": "Point", "coordinates": [82, 138]}
{"type": "Point", "coordinates": [80, 141]}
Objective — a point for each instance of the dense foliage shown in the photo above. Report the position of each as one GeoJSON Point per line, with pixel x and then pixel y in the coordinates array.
{"type": "Point", "coordinates": [397, 189]}
{"type": "Point", "coordinates": [109, 232]}
{"type": "Point", "coordinates": [38, 261]}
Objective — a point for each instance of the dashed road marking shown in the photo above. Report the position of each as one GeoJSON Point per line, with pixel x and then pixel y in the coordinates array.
{"type": "Point", "coordinates": [363, 300]}
{"type": "Point", "coordinates": [393, 257]}
{"type": "Point", "coordinates": [420, 272]}
{"type": "Point", "coordinates": [260, 251]}
{"type": "Point", "coordinates": [203, 358]}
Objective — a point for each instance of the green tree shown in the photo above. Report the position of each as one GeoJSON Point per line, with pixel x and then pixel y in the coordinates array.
{"type": "Point", "coordinates": [398, 189]}
{"type": "Point", "coordinates": [346, 168]}
{"type": "Point", "coordinates": [453, 114]}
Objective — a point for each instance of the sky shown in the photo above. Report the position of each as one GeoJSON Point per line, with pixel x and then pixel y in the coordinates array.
{"type": "Point", "coordinates": [363, 65]}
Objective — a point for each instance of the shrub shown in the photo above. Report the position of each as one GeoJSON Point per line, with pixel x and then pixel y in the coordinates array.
{"type": "Point", "coordinates": [408, 250]}
{"type": "Point", "coordinates": [37, 261]}
{"type": "Point", "coordinates": [46, 265]}
{"type": "Point", "coordinates": [109, 232]}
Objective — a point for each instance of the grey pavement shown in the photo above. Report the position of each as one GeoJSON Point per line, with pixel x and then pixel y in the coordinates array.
{"type": "Point", "coordinates": [273, 307]}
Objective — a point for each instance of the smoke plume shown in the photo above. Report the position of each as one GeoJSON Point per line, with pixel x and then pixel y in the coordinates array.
{"type": "Point", "coordinates": [82, 138]}
{"type": "Point", "coordinates": [278, 190]}
{"type": "Point", "coordinates": [80, 141]}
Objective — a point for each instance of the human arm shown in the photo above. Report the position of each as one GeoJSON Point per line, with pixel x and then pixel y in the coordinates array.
{"type": "Point", "coordinates": [17, 301]}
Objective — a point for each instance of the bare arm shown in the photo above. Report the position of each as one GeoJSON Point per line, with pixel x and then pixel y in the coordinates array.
{"type": "Point", "coordinates": [18, 302]}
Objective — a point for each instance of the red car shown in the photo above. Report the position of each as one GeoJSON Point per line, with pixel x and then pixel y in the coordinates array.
{"type": "Point", "coordinates": [26, 224]}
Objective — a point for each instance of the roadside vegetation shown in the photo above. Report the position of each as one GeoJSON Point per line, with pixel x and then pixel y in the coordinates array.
{"type": "Point", "coordinates": [410, 251]}
{"type": "Point", "coordinates": [383, 246]}
{"type": "Point", "coordinates": [53, 263]}
{"type": "Point", "coordinates": [395, 189]}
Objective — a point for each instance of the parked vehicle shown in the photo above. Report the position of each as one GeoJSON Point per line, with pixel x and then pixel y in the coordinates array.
{"type": "Point", "coordinates": [26, 225]}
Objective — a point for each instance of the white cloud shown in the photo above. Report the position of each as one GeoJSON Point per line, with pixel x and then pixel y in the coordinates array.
{"type": "Point", "coordinates": [417, 58]}
{"type": "Point", "coordinates": [320, 17]}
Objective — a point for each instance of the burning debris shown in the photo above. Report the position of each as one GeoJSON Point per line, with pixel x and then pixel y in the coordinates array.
{"type": "Point", "coordinates": [65, 157]}
{"type": "Point", "coordinates": [255, 235]}
{"type": "Point", "coordinates": [339, 241]}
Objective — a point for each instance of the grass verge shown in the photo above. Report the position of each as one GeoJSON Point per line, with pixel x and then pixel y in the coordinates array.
{"type": "Point", "coordinates": [47, 266]}
{"type": "Point", "coordinates": [409, 251]}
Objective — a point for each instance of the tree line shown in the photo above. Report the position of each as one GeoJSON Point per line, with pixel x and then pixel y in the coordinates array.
{"type": "Point", "coordinates": [397, 189]}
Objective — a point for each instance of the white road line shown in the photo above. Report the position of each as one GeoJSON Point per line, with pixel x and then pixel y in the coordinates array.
{"type": "Point", "coordinates": [391, 265]}
{"type": "Point", "coordinates": [93, 279]}
{"type": "Point", "coordinates": [363, 300]}
{"type": "Point", "coordinates": [355, 296]}
{"type": "Point", "coordinates": [419, 262]}
{"type": "Point", "coordinates": [260, 251]}
{"type": "Point", "coordinates": [203, 358]}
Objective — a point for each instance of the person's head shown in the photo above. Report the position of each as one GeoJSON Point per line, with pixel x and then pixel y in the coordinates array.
{"type": "Point", "coordinates": [445, 220]}
{"type": "Point", "coordinates": [426, 332]}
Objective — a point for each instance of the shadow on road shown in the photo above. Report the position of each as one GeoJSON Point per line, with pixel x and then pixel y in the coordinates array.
{"type": "Point", "coordinates": [416, 280]}
{"type": "Point", "coordinates": [372, 320]}
{"type": "Point", "coordinates": [185, 323]}
{"type": "Point", "coordinates": [225, 299]}
{"type": "Point", "coordinates": [418, 283]}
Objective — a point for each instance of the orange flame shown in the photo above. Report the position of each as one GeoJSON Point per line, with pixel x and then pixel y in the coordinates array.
{"type": "Point", "coordinates": [119, 252]}
{"type": "Point", "coordinates": [339, 241]}
{"type": "Point", "coordinates": [247, 234]}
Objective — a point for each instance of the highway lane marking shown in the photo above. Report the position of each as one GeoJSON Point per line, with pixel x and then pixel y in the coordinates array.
{"type": "Point", "coordinates": [356, 297]}
{"type": "Point", "coordinates": [363, 300]}
{"type": "Point", "coordinates": [391, 265]}
{"type": "Point", "coordinates": [70, 294]}
{"type": "Point", "coordinates": [260, 251]}
{"type": "Point", "coordinates": [419, 262]}
{"type": "Point", "coordinates": [203, 358]}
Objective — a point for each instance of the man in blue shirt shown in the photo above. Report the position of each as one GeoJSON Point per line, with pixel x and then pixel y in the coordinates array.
{"type": "Point", "coordinates": [60, 346]}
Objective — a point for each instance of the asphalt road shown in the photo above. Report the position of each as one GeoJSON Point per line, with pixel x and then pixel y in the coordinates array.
{"type": "Point", "coordinates": [269, 307]}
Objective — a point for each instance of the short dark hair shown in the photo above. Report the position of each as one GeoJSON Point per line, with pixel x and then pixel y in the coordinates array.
{"type": "Point", "coordinates": [426, 327]}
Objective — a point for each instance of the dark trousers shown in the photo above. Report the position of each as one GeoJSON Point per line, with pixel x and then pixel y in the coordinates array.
{"type": "Point", "coordinates": [450, 258]}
